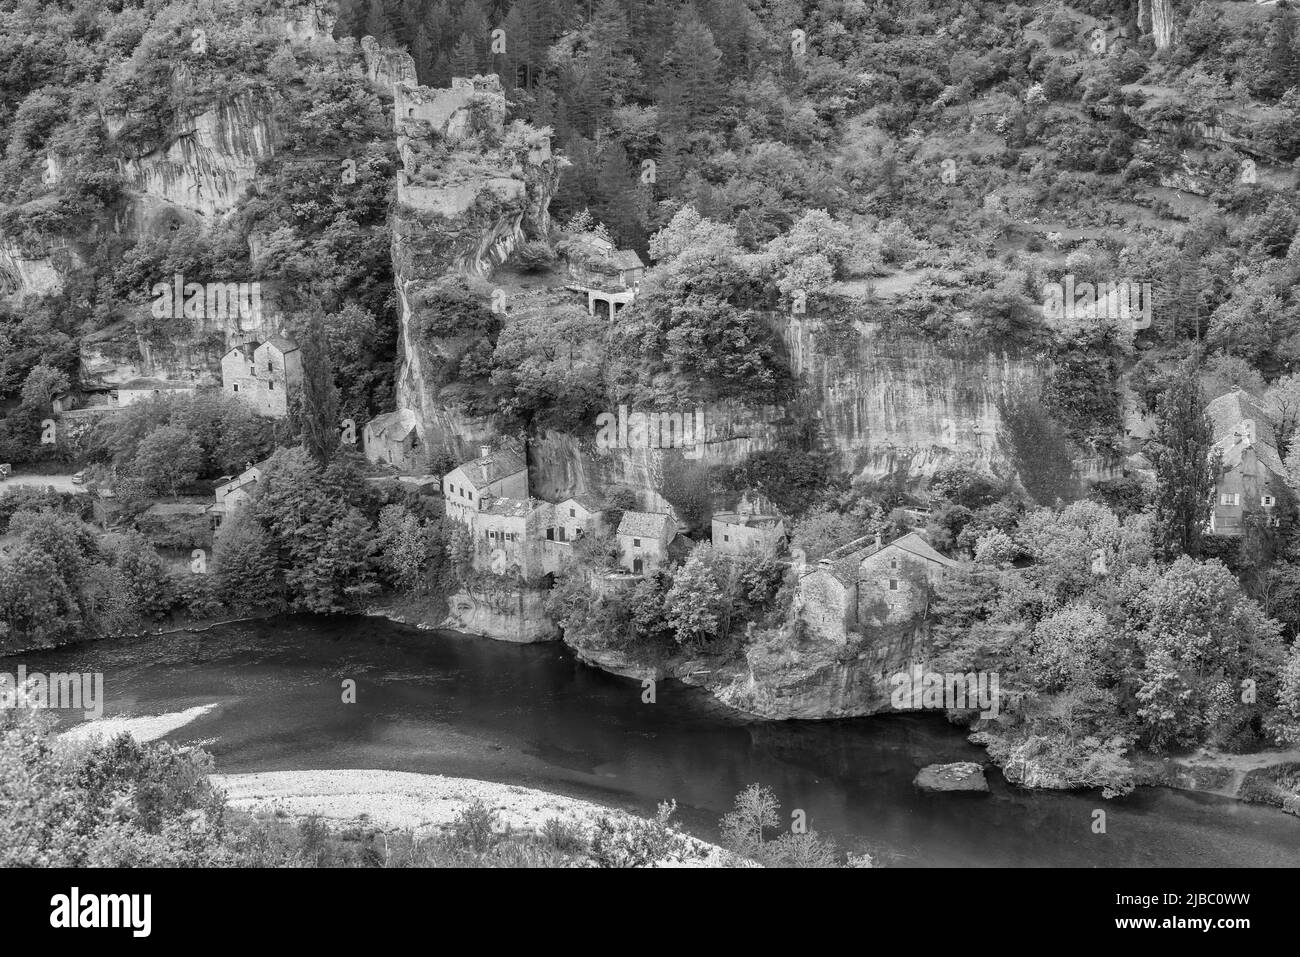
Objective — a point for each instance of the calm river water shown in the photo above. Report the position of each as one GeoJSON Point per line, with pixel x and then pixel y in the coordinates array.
{"type": "Point", "coordinates": [532, 715]}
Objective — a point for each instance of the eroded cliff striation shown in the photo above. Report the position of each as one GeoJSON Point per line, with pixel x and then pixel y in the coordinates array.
{"type": "Point", "coordinates": [209, 162]}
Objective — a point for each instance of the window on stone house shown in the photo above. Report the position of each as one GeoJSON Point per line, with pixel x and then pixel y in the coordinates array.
{"type": "Point", "coordinates": [893, 563]}
{"type": "Point", "coordinates": [636, 543]}
{"type": "Point", "coordinates": [236, 386]}
{"type": "Point", "coordinates": [893, 584]}
{"type": "Point", "coordinates": [271, 386]}
{"type": "Point", "coordinates": [726, 538]}
{"type": "Point", "coordinates": [1268, 501]}
{"type": "Point", "coordinates": [572, 513]}
{"type": "Point", "coordinates": [550, 534]}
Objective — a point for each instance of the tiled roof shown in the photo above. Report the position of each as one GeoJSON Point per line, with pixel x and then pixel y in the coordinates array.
{"type": "Point", "coordinates": [628, 259]}
{"type": "Point", "coordinates": [511, 507]}
{"type": "Point", "coordinates": [394, 426]}
{"type": "Point", "coordinates": [595, 241]}
{"type": "Point", "coordinates": [844, 561]}
{"type": "Point", "coordinates": [157, 384]}
{"type": "Point", "coordinates": [914, 544]}
{"type": "Point", "coordinates": [494, 466]}
{"type": "Point", "coordinates": [1227, 411]}
{"type": "Point", "coordinates": [644, 524]}
{"type": "Point", "coordinates": [247, 348]}
{"type": "Point", "coordinates": [281, 343]}
{"type": "Point", "coordinates": [1226, 414]}
{"type": "Point", "coordinates": [750, 521]}
{"type": "Point", "coordinates": [586, 500]}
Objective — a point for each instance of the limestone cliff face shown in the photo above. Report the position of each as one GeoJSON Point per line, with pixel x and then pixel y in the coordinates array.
{"type": "Point", "coordinates": [210, 160]}
{"type": "Point", "coordinates": [25, 270]}
{"type": "Point", "coordinates": [902, 404]}
{"type": "Point", "coordinates": [1162, 23]}
{"type": "Point", "coordinates": [886, 405]}
{"type": "Point", "coordinates": [202, 171]}
{"type": "Point", "coordinates": [1156, 18]}
{"type": "Point", "coordinates": [563, 464]}
{"type": "Point", "coordinates": [505, 613]}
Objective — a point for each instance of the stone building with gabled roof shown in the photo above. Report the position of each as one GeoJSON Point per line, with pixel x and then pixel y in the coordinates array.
{"type": "Point", "coordinates": [139, 390]}
{"type": "Point", "coordinates": [1249, 473]}
{"type": "Point", "coordinates": [507, 535]}
{"type": "Point", "coordinates": [263, 375]}
{"type": "Point", "coordinates": [500, 473]}
{"type": "Point", "coordinates": [869, 583]}
{"type": "Point", "coordinates": [394, 439]}
{"type": "Point", "coordinates": [747, 530]}
{"type": "Point", "coordinates": [602, 271]}
{"type": "Point", "coordinates": [643, 539]}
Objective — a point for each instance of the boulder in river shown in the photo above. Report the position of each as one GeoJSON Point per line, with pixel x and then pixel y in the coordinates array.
{"type": "Point", "coordinates": [961, 776]}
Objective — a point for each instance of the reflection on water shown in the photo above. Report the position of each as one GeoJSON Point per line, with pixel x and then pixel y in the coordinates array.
{"type": "Point", "coordinates": [532, 715]}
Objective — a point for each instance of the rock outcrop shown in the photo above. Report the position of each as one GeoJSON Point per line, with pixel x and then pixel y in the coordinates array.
{"type": "Point", "coordinates": [962, 776]}
{"type": "Point", "coordinates": [469, 190]}
{"type": "Point", "coordinates": [507, 613]}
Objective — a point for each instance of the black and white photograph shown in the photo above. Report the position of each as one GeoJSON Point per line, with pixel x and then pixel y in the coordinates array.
{"type": "Point", "coordinates": [501, 435]}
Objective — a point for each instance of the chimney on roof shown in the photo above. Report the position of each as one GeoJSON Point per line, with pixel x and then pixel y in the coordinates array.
{"type": "Point", "coordinates": [484, 451]}
{"type": "Point", "coordinates": [879, 543]}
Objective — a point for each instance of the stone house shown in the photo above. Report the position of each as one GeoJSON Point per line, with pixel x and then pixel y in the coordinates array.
{"type": "Point", "coordinates": [606, 274]}
{"type": "Point", "coordinates": [499, 474]}
{"type": "Point", "coordinates": [507, 535]}
{"type": "Point", "coordinates": [739, 532]}
{"type": "Point", "coordinates": [263, 375]}
{"type": "Point", "coordinates": [1249, 474]}
{"type": "Point", "coordinates": [394, 439]}
{"type": "Point", "coordinates": [643, 539]}
{"type": "Point", "coordinates": [139, 390]}
{"type": "Point", "coordinates": [234, 492]}
{"type": "Point", "coordinates": [572, 519]}
{"type": "Point", "coordinates": [869, 583]}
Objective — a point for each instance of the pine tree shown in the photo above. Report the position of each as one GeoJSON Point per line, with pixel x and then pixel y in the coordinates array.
{"type": "Point", "coordinates": [1282, 58]}
{"type": "Point", "coordinates": [378, 23]}
{"type": "Point", "coordinates": [609, 66]}
{"type": "Point", "coordinates": [1184, 480]}
{"type": "Point", "coordinates": [351, 18]}
{"type": "Point", "coordinates": [692, 87]}
{"type": "Point", "coordinates": [464, 60]}
{"type": "Point", "coordinates": [245, 569]}
{"type": "Point", "coordinates": [473, 22]}
{"type": "Point", "coordinates": [412, 12]}
{"type": "Point", "coordinates": [623, 205]}
{"type": "Point", "coordinates": [652, 29]}
{"type": "Point", "coordinates": [422, 53]}
{"type": "Point", "coordinates": [320, 396]}
{"type": "Point", "coordinates": [513, 65]}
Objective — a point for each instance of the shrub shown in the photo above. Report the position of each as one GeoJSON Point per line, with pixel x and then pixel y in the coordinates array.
{"type": "Point", "coordinates": [474, 825]}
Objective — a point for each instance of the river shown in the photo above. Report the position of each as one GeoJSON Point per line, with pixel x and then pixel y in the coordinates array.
{"type": "Point", "coordinates": [533, 715]}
